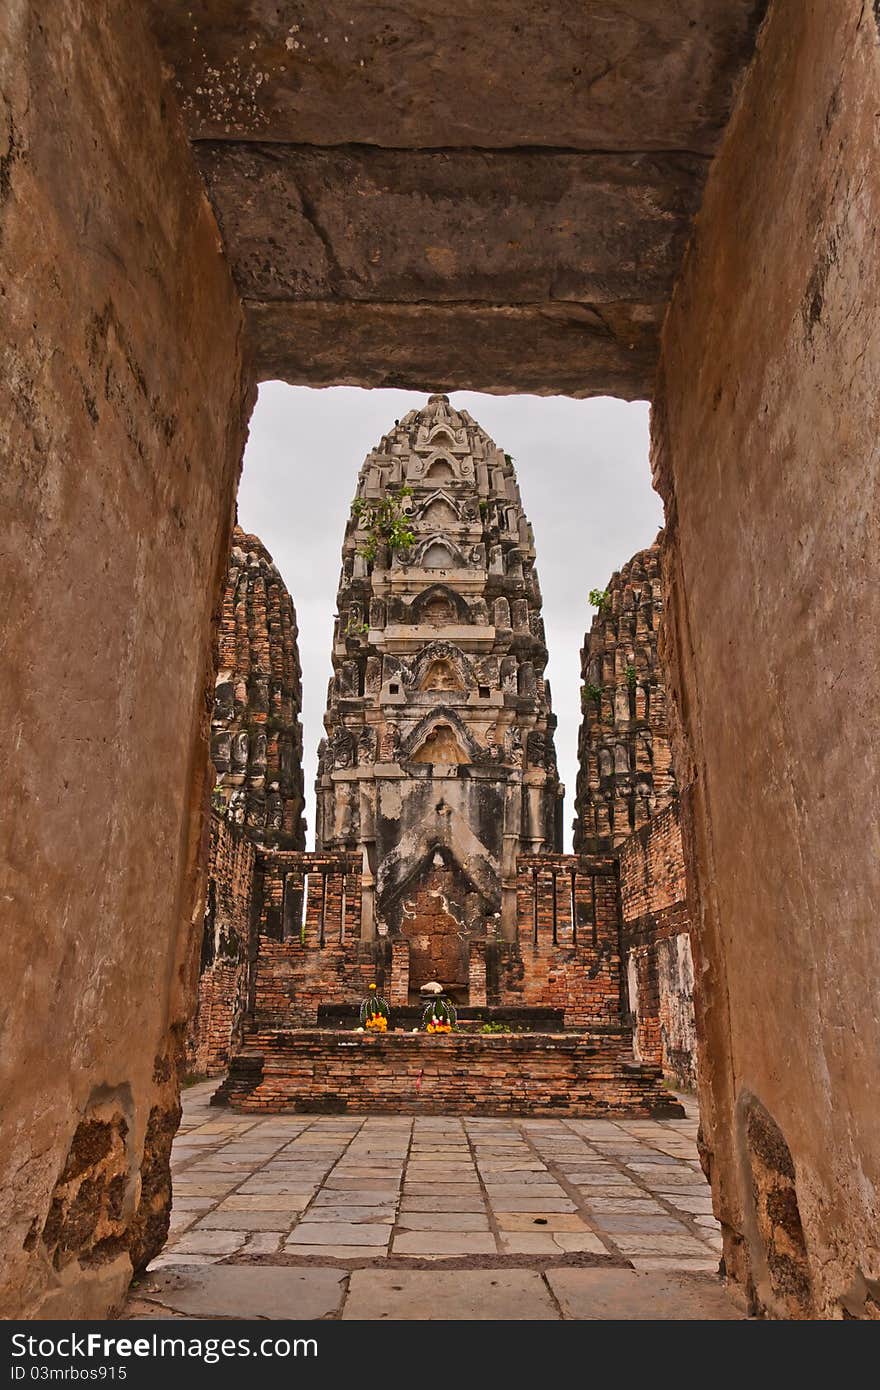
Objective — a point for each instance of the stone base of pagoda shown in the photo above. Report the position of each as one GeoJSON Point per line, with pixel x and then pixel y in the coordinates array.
{"type": "Point", "coordinates": [531, 1074]}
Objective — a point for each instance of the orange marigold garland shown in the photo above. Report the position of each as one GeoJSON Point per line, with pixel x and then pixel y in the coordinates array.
{"type": "Point", "coordinates": [440, 1016]}
{"type": "Point", "coordinates": [375, 1012]}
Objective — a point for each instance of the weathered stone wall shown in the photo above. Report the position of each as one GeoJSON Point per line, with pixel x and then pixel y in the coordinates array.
{"type": "Point", "coordinates": [121, 427]}
{"type": "Point", "coordinates": [524, 1074]}
{"type": "Point", "coordinates": [223, 976]}
{"type": "Point", "coordinates": [656, 950]}
{"type": "Point", "coordinates": [766, 450]}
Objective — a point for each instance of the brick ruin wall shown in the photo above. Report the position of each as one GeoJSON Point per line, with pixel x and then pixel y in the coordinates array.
{"type": "Point", "coordinates": [310, 948]}
{"type": "Point", "coordinates": [567, 956]}
{"type": "Point", "coordinates": [568, 952]}
{"type": "Point", "coordinates": [216, 1028]}
{"type": "Point", "coordinates": [525, 1074]}
{"type": "Point", "coordinates": [656, 948]}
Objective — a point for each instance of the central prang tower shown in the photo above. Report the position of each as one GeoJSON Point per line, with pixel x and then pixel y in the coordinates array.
{"type": "Point", "coordinates": [439, 764]}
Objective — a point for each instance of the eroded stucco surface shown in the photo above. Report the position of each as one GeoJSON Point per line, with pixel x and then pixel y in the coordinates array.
{"type": "Point", "coordinates": [766, 451]}
{"type": "Point", "coordinates": [121, 427]}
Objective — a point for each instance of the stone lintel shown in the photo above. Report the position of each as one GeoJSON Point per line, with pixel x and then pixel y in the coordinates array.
{"type": "Point", "coordinates": [549, 349]}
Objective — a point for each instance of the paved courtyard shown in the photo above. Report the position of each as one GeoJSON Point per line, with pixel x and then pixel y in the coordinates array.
{"type": "Point", "coordinates": [435, 1217]}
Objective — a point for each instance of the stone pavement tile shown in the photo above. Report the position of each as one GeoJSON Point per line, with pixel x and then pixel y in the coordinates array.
{"type": "Point", "coordinates": [646, 1295]}
{"type": "Point", "coordinates": [660, 1164]}
{"type": "Point", "coordinates": [466, 1295]}
{"type": "Point", "coordinates": [312, 1139]}
{"type": "Point", "coordinates": [181, 1220]}
{"type": "Point", "coordinates": [210, 1242]}
{"type": "Point", "coordinates": [698, 1206]}
{"type": "Point", "coordinates": [171, 1258]}
{"type": "Point", "coordinates": [575, 1242]}
{"type": "Point", "coordinates": [336, 1252]}
{"type": "Point", "coordinates": [530, 1204]}
{"type": "Point", "coordinates": [438, 1153]}
{"type": "Point", "coordinates": [628, 1223]}
{"type": "Point", "coordinates": [392, 1171]}
{"type": "Point", "coordinates": [448, 1204]}
{"type": "Point", "coordinates": [270, 1187]}
{"type": "Point", "coordinates": [265, 1201]}
{"type": "Point", "coordinates": [339, 1233]}
{"type": "Point", "coordinates": [432, 1243]}
{"type": "Point", "coordinates": [660, 1244]}
{"type": "Point", "coordinates": [678, 1193]}
{"type": "Point", "coordinates": [709, 1265]}
{"type": "Point", "coordinates": [635, 1205]}
{"type": "Point", "coordinates": [551, 1221]}
{"type": "Point", "coordinates": [244, 1220]}
{"type": "Point", "coordinates": [611, 1178]}
{"type": "Point", "coordinates": [710, 1222]}
{"type": "Point", "coordinates": [206, 1187]}
{"type": "Point", "coordinates": [423, 1172]}
{"type": "Point", "coordinates": [520, 1179]}
{"type": "Point", "coordinates": [356, 1197]}
{"type": "Point", "coordinates": [442, 1221]}
{"type": "Point", "coordinates": [441, 1189]}
{"type": "Point", "coordinates": [353, 1213]}
{"type": "Point", "coordinates": [509, 1165]}
{"type": "Point", "coordinates": [378, 1186]}
{"type": "Point", "coordinates": [528, 1243]}
{"type": "Point", "coordinates": [598, 1129]}
{"type": "Point", "coordinates": [192, 1203]}
{"type": "Point", "coordinates": [264, 1242]}
{"type": "Point", "coordinates": [673, 1179]}
{"type": "Point", "coordinates": [247, 1291]}
{"type": "Point", "coordinates": [542, 1192]}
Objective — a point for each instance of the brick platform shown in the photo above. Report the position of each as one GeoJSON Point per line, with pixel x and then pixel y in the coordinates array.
{"type": "Point", "coordinates": [413, 1073]}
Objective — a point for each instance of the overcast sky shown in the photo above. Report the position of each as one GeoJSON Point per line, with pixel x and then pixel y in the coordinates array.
{"type": "Point", "coordinates": [586, 488]}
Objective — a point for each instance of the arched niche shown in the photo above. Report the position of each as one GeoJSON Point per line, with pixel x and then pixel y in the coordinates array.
{"type": "Point", "coordinates": [439, 513]}
{"type": "Point", "coordinates": [437, 556]}
{"type": "Point", "coordinates": [441, 747]}
{"type": "Point", "coordinates": [439, 605]}
{"type": "Point", "coordinates": [441, 675]}
{"type": "Point", "coordinates": [440, 470]}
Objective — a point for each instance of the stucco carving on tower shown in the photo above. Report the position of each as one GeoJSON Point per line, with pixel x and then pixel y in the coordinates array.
{"type": "Point", "coordinates": [439, 756]}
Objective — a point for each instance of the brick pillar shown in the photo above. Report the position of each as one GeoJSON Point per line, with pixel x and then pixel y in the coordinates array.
{"type": "Point", "coordinates": [398, 991]}
{"type": "Point", "coordinates": [477, 975]}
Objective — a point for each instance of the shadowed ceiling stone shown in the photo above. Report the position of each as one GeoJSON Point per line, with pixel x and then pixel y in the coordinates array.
{"type": "Point", "coordinates": [476, 161]}
{"type": "Point", "coordinates": [581, 74]}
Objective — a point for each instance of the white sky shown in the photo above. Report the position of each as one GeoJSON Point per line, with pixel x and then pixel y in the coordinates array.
{"type": "Point", "coordinates": [586, 488]}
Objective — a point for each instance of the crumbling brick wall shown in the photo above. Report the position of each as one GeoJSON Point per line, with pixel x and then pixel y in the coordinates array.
{"type": "Point", "coordinates": [656, 947]}
{"type": "Point", "coordinates": [310, 951]}
{"type": "Point", "coordinates": [511, 1074]}
{"type": "Point", "coordinates": [223, 981]}
{"type": "Point", "coordinates": [568, 952]}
